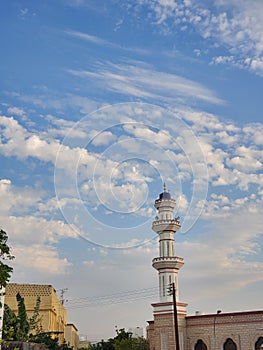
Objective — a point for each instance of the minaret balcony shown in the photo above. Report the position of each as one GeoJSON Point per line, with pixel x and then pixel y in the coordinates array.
{"type": "Point", "coordinates": [166, 225]}
{"type": "Point", "coordinates": [168, 262]}
{"type": "Point", "coordinates": [165, 202]}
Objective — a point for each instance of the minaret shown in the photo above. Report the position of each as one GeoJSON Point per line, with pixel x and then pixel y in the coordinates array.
{"type": "Point", "coordinates": [167, 264]}
{"type": "Point", "coordinates": [161, 331]}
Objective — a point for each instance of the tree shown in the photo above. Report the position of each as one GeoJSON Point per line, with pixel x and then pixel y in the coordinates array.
{"type": "Point", "coordinates": [50, 342]}
{"type": "Point", "coordinates": [47, 339]}
{"type": "Point", "coordinates": [122, 341]}
{"type": "Point", "coordinates": [20, 327]}
{"type": "Point", "coordinates": [5, 254]}
{"type": "Point", "coordinates": [131, 344]}
{"type": "Point", "coordinates": [125, 341]}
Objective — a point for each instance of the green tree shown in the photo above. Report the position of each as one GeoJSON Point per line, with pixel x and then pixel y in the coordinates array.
{"type": "Point", "coordinates": [50, 341]}
{"type": "Point", "coordinates": [20, 327]}
{"type": "Point", "coordinates": [5, 254]}
{"type": "Point", "coordinates": [9, 324]}
{"type": "Point", "coordinates": [47, 339]}
{"type": "Point", "coordinates": [122, 341]}
{"type": "Point", "coordinates": [131, 344]}
{"type": "Point", "coordinates": [103, 345]}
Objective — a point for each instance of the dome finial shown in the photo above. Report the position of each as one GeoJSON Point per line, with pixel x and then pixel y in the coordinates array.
{"type": "Point", "coordinates": [164, 187]}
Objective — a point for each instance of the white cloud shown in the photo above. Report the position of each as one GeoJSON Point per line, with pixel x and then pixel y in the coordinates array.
{"type": "Point", "coordinates": [17, 200]}
{"type": "Point", "coordinates": [102, 138]}
{"type": "Point", "coordinates": [90, 38]}
{"type": "Point", "coordinates": [145, 82]}
{"type": "Point", "coordinates": [254, 132]}
{"type": "Point", "coordinates": [16, 111]}
{"type": "Point", "coordinates": [235, 25]}
{"type": "Point", "coordinates": [245, 164]}
{"type": "Point", "coordinates": [220, 255]}
{"type": "Point", "coordinates": [41, 260]}
{"type": "Point", "coordinates": [31, 229]}
{"type": "Point", "coordinates": [22, 144]}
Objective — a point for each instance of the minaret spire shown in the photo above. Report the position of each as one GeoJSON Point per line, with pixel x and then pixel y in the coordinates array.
{"type": "Point", "coordinates": [167, 264]}
{"type": "Point", "coordinates": [168, 309]}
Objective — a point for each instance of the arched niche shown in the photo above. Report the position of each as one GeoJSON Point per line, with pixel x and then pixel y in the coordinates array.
{"type": "Point", "coordinates": [230, 345]}
{"type": "Point", "coordinates": [200, 345]}
{"type": "Point", "coordinates": [259, 344]}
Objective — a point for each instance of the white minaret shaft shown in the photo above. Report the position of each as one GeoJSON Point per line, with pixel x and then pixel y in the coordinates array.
{"type": "Point", "coordinates": [167, 264]}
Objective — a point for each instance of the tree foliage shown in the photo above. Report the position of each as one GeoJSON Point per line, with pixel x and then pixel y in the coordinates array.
{"type": "Point", "coordinates": [5, 254]}
{"type": "Point", "coordinates": [122, 341]}
{"type": "Point", "coordinates": [50, 341]}
{"type": "Point", "coordinates": [19, 327]}
{"type": "Point", "coordinates": [22, 328]}
{"type": "Point", "coordinates": [47, 339]}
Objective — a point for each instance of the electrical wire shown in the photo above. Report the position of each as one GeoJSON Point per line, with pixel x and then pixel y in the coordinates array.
{"type": "Point", "coordinates": [116, 298]}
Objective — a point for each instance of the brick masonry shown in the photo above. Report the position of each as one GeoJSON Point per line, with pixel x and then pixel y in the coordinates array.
{"type": "Point", "coordinates": [244, 328]}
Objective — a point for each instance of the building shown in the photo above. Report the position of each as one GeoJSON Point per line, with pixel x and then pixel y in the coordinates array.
{"type": "Point", "coordinates": [137, 332]}
{"type": "Point", "coordinates": [71, 336]}
{"type": "Point", "coordinates": [84, 343]}
{"type": "Point", "coordinates": [171, 328]}
{"type": "Point", "coordinates": [53, 315]}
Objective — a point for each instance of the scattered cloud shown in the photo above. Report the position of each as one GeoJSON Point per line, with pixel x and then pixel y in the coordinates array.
{"type": "Point", "coordinates": [90, 38]}
{"type": "Point", "coordinates": [16, 111]}
{"type": "Point", "coordinates": [144, 82]}
{"type": "Point", "coordinates": [235, 26]}
{"type": "Point", "coordinates": [41, 260]}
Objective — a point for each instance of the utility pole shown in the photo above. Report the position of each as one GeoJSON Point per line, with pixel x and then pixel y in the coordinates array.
{"type": "Point", "coordinates": [61, 314]}
{"type": "Point", "coordinates": [62, 292]}
{"type": "Point", "coordinates": [217, 313]}
{"type": "Point", "coordinates": [172, 291]}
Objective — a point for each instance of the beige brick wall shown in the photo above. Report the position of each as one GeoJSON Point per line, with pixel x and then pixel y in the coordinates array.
{"type": "Point", "coordinates": [244, 328]}
{"type": "Point", "coordinates": [52, 312]}
{"type": "Point", "coordinates": [161, 332]}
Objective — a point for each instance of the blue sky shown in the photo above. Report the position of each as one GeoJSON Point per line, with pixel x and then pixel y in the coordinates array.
{"type": "Point", "coordinates": [100, 102]}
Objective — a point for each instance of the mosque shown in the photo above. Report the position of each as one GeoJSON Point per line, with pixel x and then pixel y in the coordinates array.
{"type": "Point", "coordinates": [171, 328]}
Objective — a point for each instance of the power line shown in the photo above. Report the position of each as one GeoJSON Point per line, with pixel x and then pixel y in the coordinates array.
{"type": "Point", "coordinates": [122, 293]}
{"type": "Point", "coordinates": [116, 298]}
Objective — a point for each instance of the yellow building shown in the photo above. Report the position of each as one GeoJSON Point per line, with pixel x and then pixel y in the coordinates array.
{"type": "Point", "coordinates": [71, 336]}
{"type": "Point", "coordinates": [52, 313]}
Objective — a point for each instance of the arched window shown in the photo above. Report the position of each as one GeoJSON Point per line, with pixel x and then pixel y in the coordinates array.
{"type": "Point", "coordinates": [259, 344]}
{"type": "Point", "coordinates": [230, 345]}
{"type": "Point", "coordinates": [200, 345]}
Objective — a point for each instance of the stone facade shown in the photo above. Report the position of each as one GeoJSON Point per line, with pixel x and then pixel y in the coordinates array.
{"type": "Point", "coordinates": [52, 313]}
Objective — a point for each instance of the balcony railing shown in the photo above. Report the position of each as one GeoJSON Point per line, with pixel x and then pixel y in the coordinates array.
{"type": "Point", "coordinates": [166, 221]}
{"type": "Point", "coordinates": [168, 258]}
